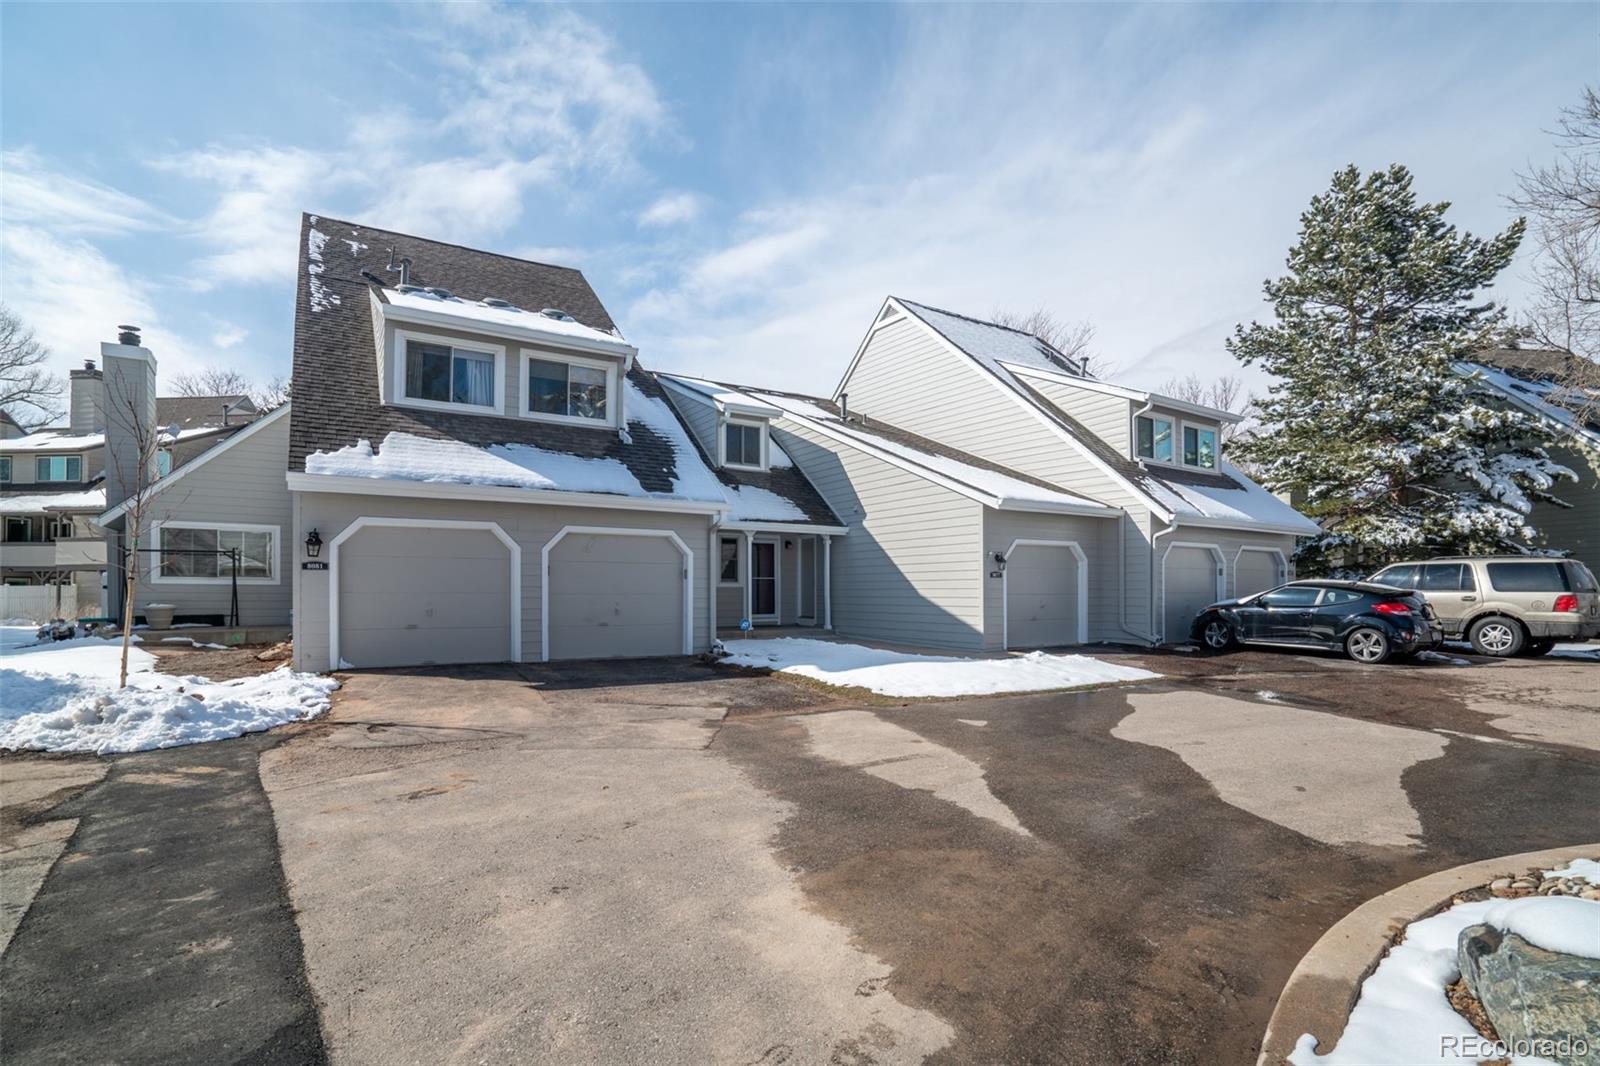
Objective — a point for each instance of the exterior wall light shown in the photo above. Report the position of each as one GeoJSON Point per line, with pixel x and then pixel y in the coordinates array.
{"type": "Point", "coordinates": [313, 544]}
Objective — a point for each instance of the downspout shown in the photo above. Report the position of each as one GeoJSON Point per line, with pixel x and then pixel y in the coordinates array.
{"type": "Point", "coordinates": [1133, 431]}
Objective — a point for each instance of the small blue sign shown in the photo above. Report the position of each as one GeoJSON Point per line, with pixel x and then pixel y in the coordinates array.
{"type": "Point", "coordinates": [744, 625]}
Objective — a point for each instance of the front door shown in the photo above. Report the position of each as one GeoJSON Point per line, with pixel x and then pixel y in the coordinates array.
{"type": "Point", "coordinates": [764, 581]}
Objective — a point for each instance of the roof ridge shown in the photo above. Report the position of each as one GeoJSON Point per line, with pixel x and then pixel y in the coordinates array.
{"type": "Point", "coordinates": [442, 244]}
{"type": "Point", "coordinates": [979, 321]}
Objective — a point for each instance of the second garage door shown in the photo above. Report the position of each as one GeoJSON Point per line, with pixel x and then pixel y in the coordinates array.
{"type": "Point", "coordinates": [421, 596]}
{"type": "Point", "coordinates": [1042, 596]}
{"type": "Point", "coordinates": [615, 596]}
{"type": "Point", "coordinates": [1191, 584]}
{"type": "Point", "coordinates": [1254, 572]}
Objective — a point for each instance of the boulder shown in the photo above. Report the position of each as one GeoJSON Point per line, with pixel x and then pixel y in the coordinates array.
{"type": "Point", "coordinates": [1531, 994]}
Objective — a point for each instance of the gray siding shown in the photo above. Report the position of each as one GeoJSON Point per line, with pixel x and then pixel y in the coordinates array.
{"type": "Point", "coordinates": [1098, 539]}
{"type": "Point", "coordinates": [243, 485]}
{"type": "Point", "coordinates": [1228, 542]}
{"type": "Point", "coordinates": [531, 526]}
{"type": "Point", "coordinates": [910, 570]}
{"type": "Point", "coordinates": [1575, 529]}
{"type": "Point", "coordinates": [1106, 416]}
{"type": "Point", "coordinates": [908, 378]}
{"type": "Point", "coordinates": [699, 415]}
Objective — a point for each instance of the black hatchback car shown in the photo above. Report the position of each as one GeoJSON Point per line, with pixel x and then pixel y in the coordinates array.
{"type": "Point", "coordinates": [1370, 623]}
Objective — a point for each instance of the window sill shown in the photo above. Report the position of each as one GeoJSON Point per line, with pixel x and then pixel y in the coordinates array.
{"type": "Point", "coordinates": [435, 405]}
{"type": "Point", "coordinates": [568, 420]}
{"type": "Point", "coordinates": [744, 466]}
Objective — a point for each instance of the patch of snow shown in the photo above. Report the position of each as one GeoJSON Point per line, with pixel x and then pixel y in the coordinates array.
{"type": "Point", "coordinates": [1402, 1015]}
{"type": "Point", "coordinates": [407, 457]}
{"type": "Point", "coordinates": [988, 343]}
{"type": "Point", "coordinates": [1250, 503]}
{"type": "Point", "coordinates": [893, 673]}
{"type": "Point", "coordinates": [89, 500]}
{"type": "Point", "coordinates": [1546, 398]}
{"type": "Point", "coordinates": [751, 503]}
{"type": "Point", "coordinates": [513, 317]}
{"type": "Point", "coordinates": [1590, 651]}
{"type": "Point", "coordinates": [725, 395]}
{"type": "Point", "coordinates": [320, 298]}
{"type": "Point", "coordinates": [62, 696]}
{"type": "Point", "coordinates": [1269, 695]}
{"type": "Point", "coordinates": [54, 439]}
{"type": "Point", "coordinates": [979, 722]}
{"type": "Point", "coordinates": [1579, 870]}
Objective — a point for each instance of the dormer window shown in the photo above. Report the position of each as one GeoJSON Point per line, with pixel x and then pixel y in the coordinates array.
{"type": "Point", "coordinates": [1200, 447]}
{"type": "Point", "coordinates": [744, 444]}
{"type": "Point", "coordinates": [436, 372]}
{"type": "Point", "coordinates": [1155, 438]}
{"type": "Point", "coordinates": [570, 389]}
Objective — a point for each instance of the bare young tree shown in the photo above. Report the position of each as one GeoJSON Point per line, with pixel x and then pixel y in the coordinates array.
{"type": "Point", "coordinates": [225, 381]}
{"type": "Point", "coordinates": [1075, 340]}
{"type": "Point", "coordinates": [29, 393]}
{"type": "Point", "coordinates": [1563, 202]}
{"type": "Point", "coordinates": [1225, 393]}
{"type": "Point", "coordinates": [136, 471]}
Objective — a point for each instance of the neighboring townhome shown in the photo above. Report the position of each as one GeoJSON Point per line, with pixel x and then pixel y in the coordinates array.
{"type": "Point", "coordinates": [1564, 390]}
{"type": "Point", "coordinates": [482, 472]}
{"type": "Point", "coordinates": [1191, 529]}
{"type": "Point", "coordinates": [54, 484]}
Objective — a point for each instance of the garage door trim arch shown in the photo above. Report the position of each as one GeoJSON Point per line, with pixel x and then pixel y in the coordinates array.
{"type": "Point", "coordinates": [615, 531]}
{"type": "Point", "coordinates": [1221, 578]}
{"type": "Point", "coordinates": [1283, 563]}
{"type": "Point", "coordinates": [1083, 586]}
{"type": "Point", "coordinates": [367, 521]}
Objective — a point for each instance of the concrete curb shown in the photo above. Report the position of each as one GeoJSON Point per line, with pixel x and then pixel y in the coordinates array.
{"type": "Point", "coordinates": [1320, 992]}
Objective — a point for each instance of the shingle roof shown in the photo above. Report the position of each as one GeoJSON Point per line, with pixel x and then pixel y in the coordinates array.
{"type": "Point", "coordinates": [1558, 386]}
{"type": "Point", "coordinates": [190, 412]}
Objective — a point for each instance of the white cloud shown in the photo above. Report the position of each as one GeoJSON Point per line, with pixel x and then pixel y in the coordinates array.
{"type": "Point", "coordinates": [229, 335]}
{"type": "Point", "coordinates": [35, 194]}
{"type": "Point", "coordinates": [455, 199]}
{"type": "Point", "coordinates": [673, 209]}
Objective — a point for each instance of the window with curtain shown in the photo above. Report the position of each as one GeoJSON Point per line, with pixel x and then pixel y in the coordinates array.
{"type": "Point", "coordinates": [1200, 447]}
{"type": "Point", "coordinates": [1154, 438]}
{"type": "Point", "coordinates": [569, 390]}
{"type": "Point", "coordinates": [197, 553]}
{"type": "Point", "coordinates": [58, 468]}
{"type": "Point", "coordinates": [742, 445]}
{"type": "Point", "coordinates": [443, 374]}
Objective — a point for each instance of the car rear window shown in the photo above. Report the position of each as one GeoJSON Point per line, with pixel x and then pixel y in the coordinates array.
{"type": "Point", "coordinates": [1334, 597]}
{"type": "Point", "coordinates": [1529, 577]}
{"type": "Point", "coordinates": [1582, 578]}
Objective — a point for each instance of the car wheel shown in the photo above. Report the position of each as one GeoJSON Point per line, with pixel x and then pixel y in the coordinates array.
{"type": "Point", "coordinates": [1217, 635]}
{"type": "Point", "coordinates": [1537, 648]}
{"type": "Point", "coordinates": [1367, 645]}
{"type": "Point", "coordinates": [1496, 636]}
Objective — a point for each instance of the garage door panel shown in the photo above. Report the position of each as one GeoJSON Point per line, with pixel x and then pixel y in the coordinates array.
{"type": "Point", "coordinates": [615, 595]}
{"type": "Point", "coordinates": [409, 609]}
{"type": "Point", "coordinates": [422, 647]}
{"type": "Point", "coordinates": [1191, 586]}
{"type": "Point", "coordinates": [365, 575]}
{"type": "Point", "coordinates": [1042, 597]}
{"type": "Point", "coordinates": [1255, 572]}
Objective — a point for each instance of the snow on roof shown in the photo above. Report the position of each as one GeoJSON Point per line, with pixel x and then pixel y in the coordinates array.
{"type": "Point", "coordinates": [57, 440]}
{"type": "Point", "coordinates": [993, 483]}
{"type": "Point", "coordinates": [989, 343]}
{"type": "Point", "coordinates": [502, 315]}
{"type": "Point", "coordinates": [88, 500]}
{"type": "Point", "coordinates": [751, 503]}
{"type": "Point", "coordinates": [1247, 503]}
{"type": "Point", "coordinates": [1545, 397]}
{"type": "Point", "coordinates": [720, 394]}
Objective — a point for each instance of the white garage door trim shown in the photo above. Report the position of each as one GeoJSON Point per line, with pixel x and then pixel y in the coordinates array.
{"type": "Point", "coordinates": [1283, 564]}
{"type": "Point", "coordinates": [620, 531]}
{"type": "Point", "coordinates": [367, 521]}
{"type": "Point", "coordinates": [1216, 553]}
{"type": "Point", "coordinates": [1083, 587]}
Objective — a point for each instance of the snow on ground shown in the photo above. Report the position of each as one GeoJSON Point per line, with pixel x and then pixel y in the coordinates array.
{"type": "Point", "coordinates": [1579, 870]}
{"type": "Point", "coordinates": [894, 673]}
{"type": "Point", "coordinates": [62, 696]}
{"type": "Point", "coordinates": [1402, 1015]}
{"type": "Point", "coordinates": [1590, 651]}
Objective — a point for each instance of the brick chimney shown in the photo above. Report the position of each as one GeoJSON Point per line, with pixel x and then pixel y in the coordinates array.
{"type": "Point", "coordinates": [86, 393]}
{"type": "Point", "coordinates": [129, 406]}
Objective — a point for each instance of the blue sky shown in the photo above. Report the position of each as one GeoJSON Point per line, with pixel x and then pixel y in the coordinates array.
{"type": "Point", "coordinates": [743, 184]}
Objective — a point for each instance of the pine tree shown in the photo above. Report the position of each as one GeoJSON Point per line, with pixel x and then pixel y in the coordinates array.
{"type": "Point", "coordinates": [1396, 453]}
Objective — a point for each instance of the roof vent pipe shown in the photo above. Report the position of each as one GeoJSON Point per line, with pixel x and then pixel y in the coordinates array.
{"type": "Point", "coordinates": [844, 407]}
{"type": "Point", "coordinates": [403, 265]}
{"type": "Point", "coordinates": [128, 335]}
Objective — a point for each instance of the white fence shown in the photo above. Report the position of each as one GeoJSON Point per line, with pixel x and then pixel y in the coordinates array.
{"type": "Point", "coordinates": [39, 603]}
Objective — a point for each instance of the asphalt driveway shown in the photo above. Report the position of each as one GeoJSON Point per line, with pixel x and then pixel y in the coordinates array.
{"type": "Point", "coordinates": [661, 862]}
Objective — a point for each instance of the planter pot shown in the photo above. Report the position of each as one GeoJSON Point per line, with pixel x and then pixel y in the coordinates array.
{"type": "Point", "coordinates": [159, 615]}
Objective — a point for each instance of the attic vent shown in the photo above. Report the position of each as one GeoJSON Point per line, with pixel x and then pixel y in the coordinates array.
{"type": "Point", "coordinates": [495, 301]}
{"type": "Point", "coordinates": [557, 314]}
{"type": "Point", "coordinates": [443, 294]}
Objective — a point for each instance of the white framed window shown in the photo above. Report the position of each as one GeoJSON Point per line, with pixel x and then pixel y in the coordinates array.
{"type": "Point", "coordinates": [443, 374]}
{"type": "Point", "coordinates": [58, 468]}
{"type": "Point", "coordinates": [728, 562]}
{"type": "Point", "coordinates": [195, 553]}
{"type": "Point", "coordinates": [5, 468]}
{"type": "Point", "coordinates": [744, 444]}
{"type": "Point", "coordinates": [1200, 446]}
{"type": "Point", "coordinates": [569, 388]}
{"type": "Point", "coordinates": [1153, 437]}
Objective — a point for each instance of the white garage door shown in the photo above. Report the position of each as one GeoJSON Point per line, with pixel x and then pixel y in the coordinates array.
{"type": "Point", "coordinates": [415, 597]}
{"type": "Point", "coordinates": [1042, 596]}
{"type": "Point", "coordinates": [615, 596]}
{"type": "Point", "coordinates": [1254, 572]}
{"type": "Point", "coordinates": [1191, 587]}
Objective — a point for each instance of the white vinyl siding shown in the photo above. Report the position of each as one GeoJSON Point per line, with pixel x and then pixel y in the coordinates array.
{"type": "Point", "coordinates": [1104, 415]}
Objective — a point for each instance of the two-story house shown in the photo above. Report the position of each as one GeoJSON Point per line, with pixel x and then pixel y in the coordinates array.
{"type": "Point", "coordinates": [482, 471]}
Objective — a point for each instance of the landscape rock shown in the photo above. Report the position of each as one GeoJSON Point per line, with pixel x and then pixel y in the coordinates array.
{"type": "Point", "coordinates": [281, 650]}
{"type": "Point", "coordinates": [1531, 994]}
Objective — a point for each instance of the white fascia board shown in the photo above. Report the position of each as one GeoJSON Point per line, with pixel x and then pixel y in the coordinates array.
{"type": "Point", "coordinates": [299, 481]}
{"type": "Point", "coordinates": [744, 405]}
{"type": "Point", "coordinates": [786, 527]}
{"type": "Point", "coordinates": [1196, 521]}
{"type": "Point", "coordinates": [418, 316]}
{"type": "Point", "coordinates": [1137, 395]}
{"type": "Point", "coordinates": [161, 484]}
{"type": "Point", "coordinates": [1088, 510]}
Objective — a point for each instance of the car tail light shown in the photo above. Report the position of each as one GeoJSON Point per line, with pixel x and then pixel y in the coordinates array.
{"type": "Point", "coordinates": [1566, 603]}
{"type": "Point", "coordinates": [1391, 607]}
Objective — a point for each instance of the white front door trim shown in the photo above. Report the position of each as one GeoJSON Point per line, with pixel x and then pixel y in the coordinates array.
{"type": "Point", "coordinates": [1283, 563]}
{"type": "Point", "coordinates": [617, 531]}
{"type": "Point", "coordinates": [1221, 586]}
{"type": "Point", "coordinates": [1083, 586]}
{"type": "Point", "coordinates": [366, 521]}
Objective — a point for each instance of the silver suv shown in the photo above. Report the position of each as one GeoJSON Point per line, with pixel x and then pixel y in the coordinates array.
{"type": "Point", "coordinates": [1505, 604]}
